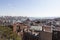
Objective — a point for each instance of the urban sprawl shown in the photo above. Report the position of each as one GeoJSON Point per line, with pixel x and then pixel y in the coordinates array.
{"type": "Point", "coordinates": [30, 28]}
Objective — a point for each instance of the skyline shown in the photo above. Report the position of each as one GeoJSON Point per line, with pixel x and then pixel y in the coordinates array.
{"type": "Point", "coordinates": [30, 8]}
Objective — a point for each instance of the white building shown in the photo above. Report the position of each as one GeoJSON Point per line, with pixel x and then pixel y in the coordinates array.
{"type": "Point", "coordinates": [38, 28]}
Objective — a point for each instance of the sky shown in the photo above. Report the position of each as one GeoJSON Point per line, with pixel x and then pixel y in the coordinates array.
{"type": "Point", "coordinates": [30, 8]}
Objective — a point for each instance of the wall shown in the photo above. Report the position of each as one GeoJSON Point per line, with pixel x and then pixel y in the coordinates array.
{"type": "Point", "coordinates": [46, 36]}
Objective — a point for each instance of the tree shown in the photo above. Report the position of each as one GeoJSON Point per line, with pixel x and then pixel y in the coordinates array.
{"type": "Point", "coordinates": [7, 34]}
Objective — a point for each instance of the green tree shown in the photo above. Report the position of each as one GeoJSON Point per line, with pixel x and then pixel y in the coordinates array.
{"type": "Point", "coordinates": [6, 33]}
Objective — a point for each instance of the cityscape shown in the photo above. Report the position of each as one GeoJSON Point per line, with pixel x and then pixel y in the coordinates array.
{"type": "Point", "coordinates": [30, 28]}
{"type": "Point", "coordinates": [29, 19]}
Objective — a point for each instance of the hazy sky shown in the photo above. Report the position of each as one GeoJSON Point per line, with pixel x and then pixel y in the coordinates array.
{"type": "Point", "coordinates": [34, 8]}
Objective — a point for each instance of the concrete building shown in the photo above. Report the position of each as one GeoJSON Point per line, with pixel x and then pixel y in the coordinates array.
{"type": "Point", "coordinates": [18, 27]}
